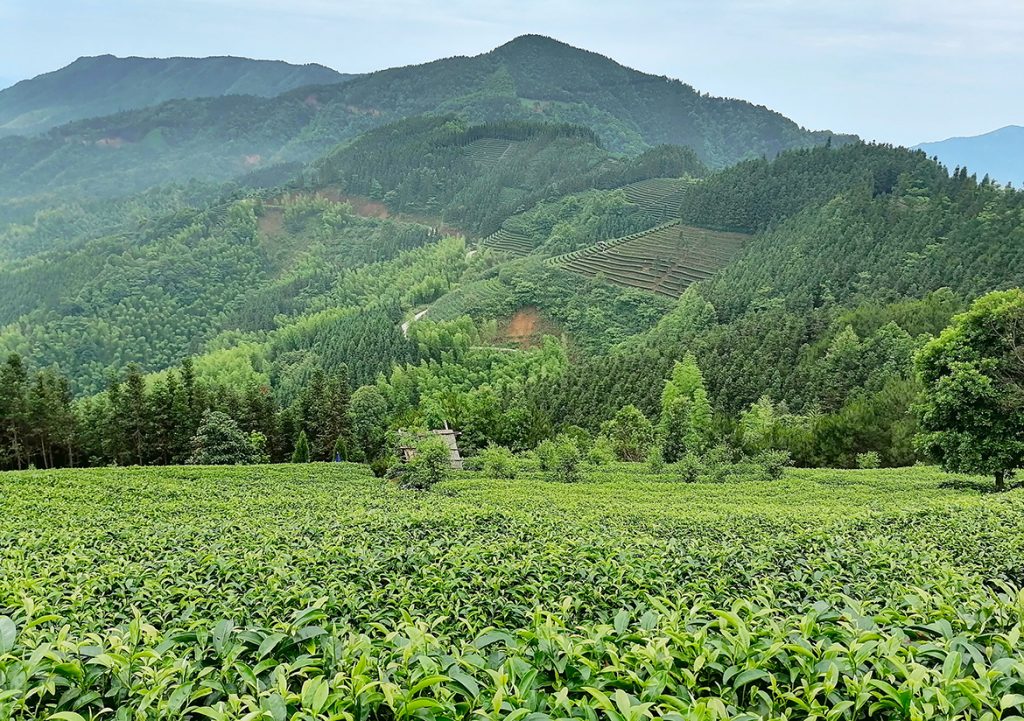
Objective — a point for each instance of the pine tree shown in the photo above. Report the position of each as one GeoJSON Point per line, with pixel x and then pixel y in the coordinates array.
{"type": "Point", "coordinates": [133, 413]}
{"type": "Point", "coordinates": [368, 415]}
{"type": "Point", "coordinates": [13, 411]}
{"type": "Point", "coordinates": [301, 452]}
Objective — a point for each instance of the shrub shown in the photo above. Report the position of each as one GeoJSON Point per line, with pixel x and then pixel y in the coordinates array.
{"type": "Point", "coordinates": [601, 452]}
{"type": "Point", "coordinates": [584, 438]}
{"type": "Point", "coordinates": [345, 449]}
{"type": "Point", "coordinates": [301, 452]}
{"type": "Point", "coordinates": [381, 465]}
{"type": "Point", "coordinates": [258, 448]}
{"type": "Point", "coordinates": [689, 468]}
{"type": "Point", "coordinates": [871, 459]}
{"type": "Point", "coordinates": [567, 462]}
{"type": "Point", "coordinates": [498, 462]}
{"type": "Point", "coordinates": [655, 460]}
{"type": "Point", "coordinates": [630, 432]}
{"type": "Point", "coordinates": [545, 453]}
{"type": "Point", "coordinates": [773, 463]}
{"type": "Point", "coordinates": [430, 465]}
{"type": "Point", "coordinates": [719, 464]}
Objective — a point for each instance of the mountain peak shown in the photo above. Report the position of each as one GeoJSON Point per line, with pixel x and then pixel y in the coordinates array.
{"type": "Point", "coordinates": [532, 43]}
{"type": "Point", "coordinates": [534, 39]}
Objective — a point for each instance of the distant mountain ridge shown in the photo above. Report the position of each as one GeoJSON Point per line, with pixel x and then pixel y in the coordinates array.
{"type": "Point", "coordinates": [531, 78]}
{"type": "Point", "coordinates": [998, 154]}
{"type": "Point", "coordinates": [103, 85]}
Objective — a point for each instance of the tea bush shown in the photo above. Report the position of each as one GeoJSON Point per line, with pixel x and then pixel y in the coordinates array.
{"type": "Point", "coordinates": [317, 591]}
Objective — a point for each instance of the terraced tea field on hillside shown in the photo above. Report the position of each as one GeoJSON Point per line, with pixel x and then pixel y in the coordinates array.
{"type": "Point", "coordinates": [661, 197]}
{"type": "Point", "coordinates": [664, 195]}
{"type": "Point", "coordinates": [319, 592]}
{"type": "Point", "coordinates": [664, 260]}
{"type": "Point", "coordinates": [489, 151]}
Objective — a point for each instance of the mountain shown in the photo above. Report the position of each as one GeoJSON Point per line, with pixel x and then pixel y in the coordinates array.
{"type": "Point", "coordinates": [517, 244]}
{"type": "Point", "coordinates": [999, 154]}
{"type": "Point", "coordinates": [842, 261]}
{"type": "Point", "coordinates": [97, 86]}
{"type": "Point", "coordinates": [529, 78]}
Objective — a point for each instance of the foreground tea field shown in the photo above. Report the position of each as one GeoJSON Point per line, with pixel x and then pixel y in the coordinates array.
{"type": "Point", "coordinates": [318, 592]}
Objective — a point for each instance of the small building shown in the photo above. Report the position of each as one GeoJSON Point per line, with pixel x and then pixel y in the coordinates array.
{"type": "Point", "coordinates": [407, 447]}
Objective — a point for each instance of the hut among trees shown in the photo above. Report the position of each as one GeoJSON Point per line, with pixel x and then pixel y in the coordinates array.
{"type": "Point", "coordinates": [407, 447]}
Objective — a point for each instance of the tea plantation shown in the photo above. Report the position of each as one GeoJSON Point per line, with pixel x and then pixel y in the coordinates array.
{"type": "Point", "coordinates": [320, 592]}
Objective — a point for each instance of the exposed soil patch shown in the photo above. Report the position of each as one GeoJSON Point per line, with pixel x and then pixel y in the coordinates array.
{"type": "Point", "coordinates": [271, 222]}
{"type": "Point", "coordinates": [526, 328]}
{"type": "Point", "coordinates": [368, 208]}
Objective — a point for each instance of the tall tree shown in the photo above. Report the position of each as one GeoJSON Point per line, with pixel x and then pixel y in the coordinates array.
{"type": "Point", "coordinates": [368, 413]}
{"type": "Point", "coordinates": [972, 414]}
{"type": "Point", "coordinates": [685, 422]}
{"type": "Point", "coordinates": [13, 410]}
{"type": "Point", "coordinates": [133, 415]}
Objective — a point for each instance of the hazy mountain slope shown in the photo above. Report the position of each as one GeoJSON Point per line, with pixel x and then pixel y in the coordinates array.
{"type": "Point", "coordinates": [167, 281]}
{"type": "Point", "coordinates": [999, 154]}
{"type": "Point", "coordinates": [97, 86]}
{"type": "Point", "coordinates": [528, 78]}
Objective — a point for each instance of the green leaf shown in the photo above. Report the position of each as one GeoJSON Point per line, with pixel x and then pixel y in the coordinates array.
{"type": "Point", "coordinates": [493, 636]}
{"type": "Point", "coordinates": [467, 682]}
{"type": "Point", "coordinates": [8, 632]}
{"type": "Point", "coordinates": [745, 677]}
{"type": "Point", "coordinates": [621, 621]}
{"type": "Point", "coordinates": [1010, 700]}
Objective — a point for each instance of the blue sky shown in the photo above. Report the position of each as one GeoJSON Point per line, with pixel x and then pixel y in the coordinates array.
{"type": "Point", "coordinates": [903, 71]}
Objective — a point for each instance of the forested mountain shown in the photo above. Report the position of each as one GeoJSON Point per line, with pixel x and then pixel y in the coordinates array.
{"type": "Point", "coordinates": [857, 253]}
{"type": "Point", "coordinates": [508, 262]}
{"type": "Point", "coordinates": [999, 154]}
{"type": "Point", "coordinates": [530, 78]}
{"type": "Point", "coordinates": [96, 86]}
{"type": "Point", "coordinates": [173, 275]}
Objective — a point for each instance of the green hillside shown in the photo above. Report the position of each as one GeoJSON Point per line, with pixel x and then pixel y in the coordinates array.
{"type": "Point", "coordinates": [850, 257]}
{"type": "Point", "coordinates": [411, 261]}
{"type": "Point", "coordinates": [530, 78]}
{"type": "Point", "coordinates": [92, 87]}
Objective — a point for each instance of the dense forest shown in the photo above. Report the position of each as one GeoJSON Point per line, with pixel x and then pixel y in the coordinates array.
{"type": "Point", "coordinates": [292, 308]}
{"type": "Point", "coordinates": [422, 273]}
{"type": "Point", "coordinates": [93, 87]}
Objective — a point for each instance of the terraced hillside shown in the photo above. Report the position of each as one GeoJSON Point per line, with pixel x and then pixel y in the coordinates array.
{"type": "Point", "coordinates": [663, 260]}
{"type": "Point", "coordinates": [660, 197]}
{"type": "Point", "coordinates": [489, 150]}
{"type": "Point", "coordinates": [452, 305]}
{"type": "Point", "coordinates": [510, 241]}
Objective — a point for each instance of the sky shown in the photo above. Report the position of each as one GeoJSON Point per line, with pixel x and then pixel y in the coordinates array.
{"type": "Point", "coordinates": [901, 71]}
